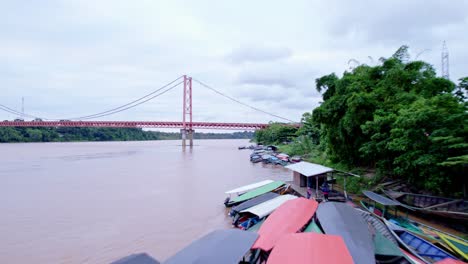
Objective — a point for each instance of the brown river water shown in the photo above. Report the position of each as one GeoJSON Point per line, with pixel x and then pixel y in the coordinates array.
{"type": "Point", "coordinates": [96, 202]}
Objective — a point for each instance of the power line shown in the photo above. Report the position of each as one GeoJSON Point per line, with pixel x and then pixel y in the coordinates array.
{"type": "Point", "coordinates": [122, 106]}
{"type": "Point", "coordinates": [239, 102]}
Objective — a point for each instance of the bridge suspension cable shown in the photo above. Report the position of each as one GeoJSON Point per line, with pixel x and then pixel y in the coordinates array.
{"type": "Point", "coordinates": [130, 104]}
{"type": "Point", "coordinates": [241, 103]}
{"type": "Point", "coordinates": [121, 108]}
{"type": "Point", "coordinates": [13, 111]}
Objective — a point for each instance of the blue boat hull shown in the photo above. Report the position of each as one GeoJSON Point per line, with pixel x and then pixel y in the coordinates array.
{"type": "Point", "coordinates": [422, 247]}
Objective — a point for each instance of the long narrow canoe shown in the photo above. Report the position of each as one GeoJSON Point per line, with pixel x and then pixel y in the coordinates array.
{"type": "Point", "coordinates": [249, 187]}
{"type": "Point", "coordinates": [265, 208]}
{"type": "Point", "coordinates": [140, 258]}
{"type": "Point", "coordinates": [256, 192]}
{"type": "Point", "coordinates": [220, 246]}
{"type": "Point", "coordinates": [306, 248]}
{"type": "Point", "coordinates": [459, 246]}
{"type": "Point", "coordinates": [419, 247]}
{"type": "Point", "coordinates": [456, 209]}
{"type": "Point", "coordinates": [343, 220]}
{"type": "Point", "coordinates": [253, 202]}
{"type": "Point", "coordinates": [289, 218]}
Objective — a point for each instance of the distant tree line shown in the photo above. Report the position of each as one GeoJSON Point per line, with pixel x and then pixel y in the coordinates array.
{"type": "Point", "coordinates": [397, 117]}
{"type": "Point", "coordinates": [65, 134]}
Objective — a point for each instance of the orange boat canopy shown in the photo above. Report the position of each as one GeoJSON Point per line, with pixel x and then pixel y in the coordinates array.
{"type": "Point", "coordinates": [289, 218]}
{"type": "Point", "coordinates": [302, 248]}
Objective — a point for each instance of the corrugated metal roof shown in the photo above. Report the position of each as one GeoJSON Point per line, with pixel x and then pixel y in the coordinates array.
{"type": "Point", "coordinates": [380, 199]}
{"type": "Point", "coordinates": [309, 169]}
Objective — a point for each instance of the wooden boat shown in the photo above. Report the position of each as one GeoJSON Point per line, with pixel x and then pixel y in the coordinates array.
{"type": "Point", "coordinates": [445, 207]}
{"type": "Point", "coordinates": [246, 188]}
{"type": "Point", "coordinates": [255, 213]}
{"type": "Point", "coordinates": [219, 246]}
{"type": "Point", "coordinates": [273, 186]}
{"type": "Point", "coordinates": [306, 248]}
{"type": "Point", "coordinates": [419, 247]}
{"type": "Point", "coordinates": [343, 220]}
{"type": "Point", "coordinates": [289, 218]}
{"type": "Point", "coordinates": [450, 242]}
{"type": "Point", "coordinates": [252, 202]}
{"type": "Point", "coordinates": [458, 245]}
{"type": "Point", "coordinates": [383, 212]}
{"type": "Point", "coordinates": [139, 258]}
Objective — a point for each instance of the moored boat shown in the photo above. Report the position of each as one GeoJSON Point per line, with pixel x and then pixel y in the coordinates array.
{"type": "Point", "coordinates": [305, 248]}
{"type": "Point", "coordinates": [219, 246]}
{"type": "Point", "coordinates": [456, 209]}
{"type": "Point", "coordinates": [343, 220]}
{"type": "Point", "coordinates": [418, 246]}
{"type": "Point", "coordinates": [251, 215]}
{"type": "Point", "coordinates": [248, 187]}
{"type": "Point", "coordinates": [383, 213]}
{"type": "Point", "coordinates": [289, 218]}
{"type": "Point", "coordinates": [273, 186]}
{"type": "Point", "coordinates": [252, 202]}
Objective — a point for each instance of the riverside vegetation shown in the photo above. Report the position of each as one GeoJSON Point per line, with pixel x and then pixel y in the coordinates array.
{"type": "Point", "coordinates": [65, 134]}
{"type": "Point", "coordinates": [396, 119]}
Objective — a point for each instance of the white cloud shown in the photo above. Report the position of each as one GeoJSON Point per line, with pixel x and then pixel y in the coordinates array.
{"type": "Point", "coordinates": [72, 58]}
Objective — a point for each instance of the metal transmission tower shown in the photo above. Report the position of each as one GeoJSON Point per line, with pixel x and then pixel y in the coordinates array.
{"type": "Point", "coordinates": [187, 125]}
{"type": "Point", "coordinates": [445, 62]}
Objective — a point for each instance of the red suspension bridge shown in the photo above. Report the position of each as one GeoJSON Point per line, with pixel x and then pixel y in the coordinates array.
{"type": "Point", "coordinates": [187, 126]}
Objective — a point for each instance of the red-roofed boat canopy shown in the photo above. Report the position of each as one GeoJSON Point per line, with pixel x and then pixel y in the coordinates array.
{"type": "Point", "coordinates": [289, 218]}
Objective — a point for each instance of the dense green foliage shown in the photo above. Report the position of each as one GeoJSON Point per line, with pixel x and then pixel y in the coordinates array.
{"type": "Point", "coordinates": [397, 117]}
{"type": "Point", "coordinates": [276, 133]}
{"type": "Point", "coordinates": [62, 134]}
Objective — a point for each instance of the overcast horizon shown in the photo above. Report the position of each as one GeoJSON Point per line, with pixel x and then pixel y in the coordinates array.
{"type": "Point", "coordinates": [75, 58]}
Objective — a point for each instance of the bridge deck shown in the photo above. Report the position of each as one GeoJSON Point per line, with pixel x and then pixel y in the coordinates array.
{"type": "Point", "coordinates": [137, 124]}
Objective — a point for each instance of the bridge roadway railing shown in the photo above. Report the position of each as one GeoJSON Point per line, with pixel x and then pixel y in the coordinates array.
{"type": "Point", "coordinates": [138, 124]}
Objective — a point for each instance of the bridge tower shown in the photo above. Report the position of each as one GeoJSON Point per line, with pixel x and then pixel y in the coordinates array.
{"type": "Point", "coordinates": [187, 125]}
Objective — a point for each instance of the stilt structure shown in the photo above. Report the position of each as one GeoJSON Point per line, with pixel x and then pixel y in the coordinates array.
{"type": "Point", "coordinates": [187, 126]}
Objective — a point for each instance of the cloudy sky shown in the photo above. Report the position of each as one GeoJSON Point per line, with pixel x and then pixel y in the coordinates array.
{"type": "Point", "coordinates": [75, 58]}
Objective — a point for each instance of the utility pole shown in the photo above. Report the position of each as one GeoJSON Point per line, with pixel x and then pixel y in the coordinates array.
{"type": "Point", "coordinates": [445, 62]}
{"type": "Point", "coordinates": [22, 105]}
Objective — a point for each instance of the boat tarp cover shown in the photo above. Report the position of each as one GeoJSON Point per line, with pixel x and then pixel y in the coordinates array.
{"type": "Point", "coordinates": [302, 248]}
{"type": "Point", "coordinates": [265, 208]}
{"type": "Point", "coordinates": [255, 201]}
{"type": "Point", "coordinates": [289, 218]}
{"type": "Point", "coordinates": [309, 169]}
{"type": "Point", "coordinates": [140, 258]}
{"type": "Point", "coordinates": [220, 246]}
{"type": "Point", "coordinates": [380, 199]}
{"type": "Point", "coordinates": [343, 220]}
{"type": "Point", "coordinates": [249, 187]}
{"type": "Point", "coordinates": [259, 191]}
{"type": "Point", "coordinates": [313, 227]}
{"type": "Point", "coordinates": [385, 247]}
